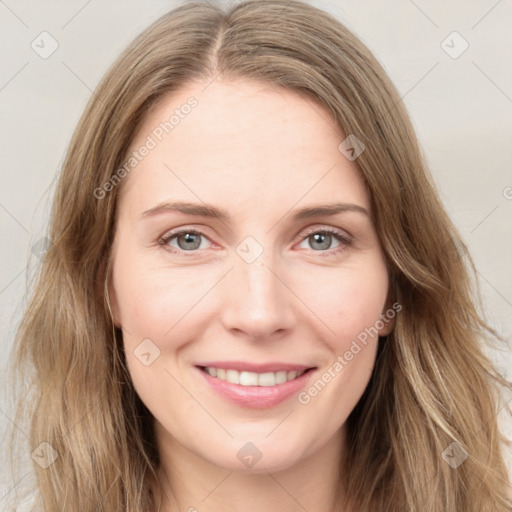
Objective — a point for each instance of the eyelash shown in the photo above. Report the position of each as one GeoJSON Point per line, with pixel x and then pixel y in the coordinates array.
{"type": "Point", "coordinates": [345, 241]}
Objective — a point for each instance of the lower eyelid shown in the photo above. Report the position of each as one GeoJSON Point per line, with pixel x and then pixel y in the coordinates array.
{"type": "Point", "coordinates": [341, 238]}
{"type": "Point", "coordinates": [344, 244]}
{"type": "Point", "coordinates": [164, 240]}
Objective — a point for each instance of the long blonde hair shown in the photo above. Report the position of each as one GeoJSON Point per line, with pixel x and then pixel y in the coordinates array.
{"type": "Point", "coordinates": [432, 385]}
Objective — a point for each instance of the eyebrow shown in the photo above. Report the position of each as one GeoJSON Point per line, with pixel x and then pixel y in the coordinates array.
{"type": "Point", "coordinates": [209, 211]}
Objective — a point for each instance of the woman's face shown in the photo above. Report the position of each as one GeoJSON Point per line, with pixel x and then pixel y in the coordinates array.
{"type": "Point", "coordinates": [234, 255]}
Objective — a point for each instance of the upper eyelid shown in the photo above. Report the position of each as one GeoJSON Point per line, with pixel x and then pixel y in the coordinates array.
{"type": "Point", "coordinates": [329, 229]}
{"type": "Point", "coordinates": [169, 235]}
{"type": "Point", "coordinates": [303, 234]}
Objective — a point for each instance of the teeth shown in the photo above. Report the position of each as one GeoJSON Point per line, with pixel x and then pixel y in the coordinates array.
{"type": "Point", "coordinates": [248, 379]}
{"type": "Point", "coordinates": [280, 377]}
{"type": "Point", "coordinates": [233, 376]}
{"type": "Point", "coordinates": [252, 378]}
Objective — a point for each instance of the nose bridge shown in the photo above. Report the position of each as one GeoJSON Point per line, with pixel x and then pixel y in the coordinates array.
{"type": "Point", "coordinates": [257, 302]}
{"type": "Point", "coordinates": [262, 285]}
{"type": "Point", "coordinates": [253, 262]}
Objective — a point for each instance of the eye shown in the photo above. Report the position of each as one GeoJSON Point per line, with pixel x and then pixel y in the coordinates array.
{"type": "Point", "coordinates": [325, 240]}
{"type": "Point", "coordinates": [322, 240]}
{"type": "Point", "coordinates": [184, 240]}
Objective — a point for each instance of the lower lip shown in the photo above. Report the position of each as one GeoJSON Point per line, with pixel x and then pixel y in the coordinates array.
{"type": "Point", "coordinates": [256, 397]}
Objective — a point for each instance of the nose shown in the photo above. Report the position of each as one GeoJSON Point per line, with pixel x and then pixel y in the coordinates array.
{"type": "Point", "coordinates": [257, 304]}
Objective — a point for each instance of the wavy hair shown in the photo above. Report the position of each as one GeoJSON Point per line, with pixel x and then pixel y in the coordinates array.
{"type": "Point", "coordinates": [432, 385]}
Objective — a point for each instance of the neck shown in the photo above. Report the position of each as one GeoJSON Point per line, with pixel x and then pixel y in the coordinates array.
{"type": "Point", "coordinates": [191, 483]}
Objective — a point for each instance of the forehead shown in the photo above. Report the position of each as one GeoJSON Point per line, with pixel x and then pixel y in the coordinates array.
{"type": "Point", "coordinates": [242, 142]}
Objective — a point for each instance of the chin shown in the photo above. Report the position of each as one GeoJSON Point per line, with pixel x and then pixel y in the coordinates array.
{"type": "Point", "coordinates": [259, 454]}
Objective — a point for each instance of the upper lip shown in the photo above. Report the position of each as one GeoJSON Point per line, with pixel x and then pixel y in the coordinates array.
{"type": "Point", "coordinates": [243, 366]}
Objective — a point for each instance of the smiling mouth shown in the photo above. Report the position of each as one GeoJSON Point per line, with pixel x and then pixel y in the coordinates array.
{"type": "Point", "coordinates": [245, 378]}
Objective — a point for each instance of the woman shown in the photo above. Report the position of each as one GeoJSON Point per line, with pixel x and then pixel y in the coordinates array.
{"type": "Point", "coordinates": [253, 297]}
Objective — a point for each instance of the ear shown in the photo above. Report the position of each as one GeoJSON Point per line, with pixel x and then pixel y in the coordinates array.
{"type": "Point", "coordinates": [113, 304]}
{"type": "Point", "coordinates": [388, 315]}
{"type": "Point", "coordinates": [107, 293]}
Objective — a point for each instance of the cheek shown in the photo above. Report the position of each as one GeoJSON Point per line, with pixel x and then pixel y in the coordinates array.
{"type": "Point", "coordinates": [351, 306]}
{"type": "Point", "coordinates": [349, 302]}
{"type": "Point", "coordinates": [151, 301]}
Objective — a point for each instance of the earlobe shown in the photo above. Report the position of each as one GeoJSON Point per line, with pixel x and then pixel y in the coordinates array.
{"type": "Point", "coordinates": [108, 293]}
{"type": "Point", "coordinates": [387, 318]}
{"type": "Point", "coordinates": [111, 299]}
{"type": "Point", "coordinates": [388, 322]}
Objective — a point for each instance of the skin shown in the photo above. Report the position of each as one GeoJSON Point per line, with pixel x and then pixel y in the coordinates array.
{"type": "Point", "coordinates": [260, 154]}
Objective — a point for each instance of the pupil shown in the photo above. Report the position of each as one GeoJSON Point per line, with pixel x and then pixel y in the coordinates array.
{"type": "Point", "coordinates": [191, 241]}
{"type": "Point", "coordinates": [323, 239]}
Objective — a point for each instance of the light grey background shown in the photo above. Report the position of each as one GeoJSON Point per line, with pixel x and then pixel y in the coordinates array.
{"type": "Point", "coordinates": [461, 108]}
